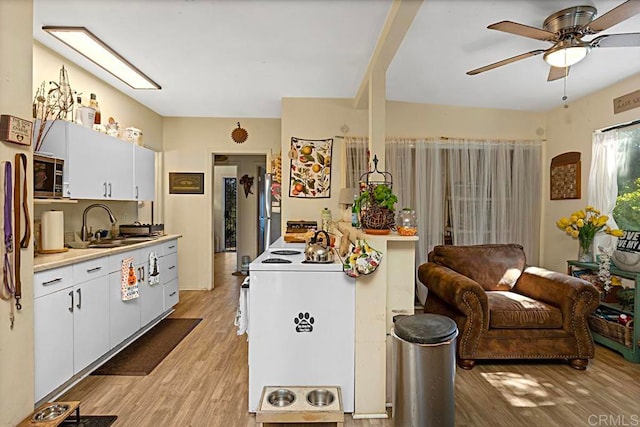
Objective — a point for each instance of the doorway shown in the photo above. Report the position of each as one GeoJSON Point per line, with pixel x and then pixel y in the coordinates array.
{"type": "Point", "coordinates": [235, 204]}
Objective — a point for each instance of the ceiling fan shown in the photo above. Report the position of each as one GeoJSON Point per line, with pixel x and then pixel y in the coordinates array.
{"type": "Point", "coordinates": [565, 29]}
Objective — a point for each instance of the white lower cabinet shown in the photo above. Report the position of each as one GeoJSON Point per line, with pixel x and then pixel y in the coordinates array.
{"type": "Point", "coordinates": [53, 341]}
{"type": "Point", "coordinates": [124, 315]}
{"type": "Point", "coordinates": [151, 296]}
{"type": "Point", "coordinates": [71, 322]}
{"type": "Point", "coordinates": [90, 322]}
{"type": "Point", "coordinates": [79, 314]}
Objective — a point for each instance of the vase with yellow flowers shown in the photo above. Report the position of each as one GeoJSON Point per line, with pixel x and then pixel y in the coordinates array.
{"type": "Point", "coordinates": [584, 225]}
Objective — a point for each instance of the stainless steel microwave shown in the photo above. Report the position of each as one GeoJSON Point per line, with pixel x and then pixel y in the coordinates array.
{"type": "Point", "coordinates": [47, 177]}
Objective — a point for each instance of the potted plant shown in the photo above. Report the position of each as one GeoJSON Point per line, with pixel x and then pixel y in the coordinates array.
{"type": "Point", "coordinates": [376, 204]}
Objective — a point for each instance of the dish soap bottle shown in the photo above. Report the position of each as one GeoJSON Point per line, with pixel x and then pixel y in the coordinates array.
{"type": "Point", "coordinates": [355, 220]}
{"type": "Point", "coordinates": [326, 219]}
{"type": "Point", "coordinates": [93, 103]}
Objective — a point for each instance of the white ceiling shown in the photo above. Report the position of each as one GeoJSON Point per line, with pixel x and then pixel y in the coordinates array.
{"type": "Point", "coordinates": [226, 58]}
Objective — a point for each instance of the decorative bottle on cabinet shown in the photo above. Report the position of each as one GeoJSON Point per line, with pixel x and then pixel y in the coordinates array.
{"type": "Point", "coordinates": [93, 103]}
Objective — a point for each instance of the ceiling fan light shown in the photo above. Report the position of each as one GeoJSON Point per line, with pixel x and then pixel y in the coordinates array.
{"type": "Point", "coordinates": [562, 57]}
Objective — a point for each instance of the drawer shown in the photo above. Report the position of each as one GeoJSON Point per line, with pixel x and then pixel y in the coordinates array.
{"type": "Point", "coordinates": [46, 282]}
{"type": "Point", "coordinates": [170, 247]}
{"type": "Point", "coordinates": [171, 294]}
{"type": "Point", "coordinates": [88, 270]}
{"type": "Point", "coordinates": [115, 261]}
{"type": "Point", "coordinates": [168, 267]}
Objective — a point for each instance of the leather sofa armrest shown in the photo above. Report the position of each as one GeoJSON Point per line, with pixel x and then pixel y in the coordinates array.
{"type": "Point", "coordinates": [576, 298]}
{"type": "Point", "coordinates": [461, 292]}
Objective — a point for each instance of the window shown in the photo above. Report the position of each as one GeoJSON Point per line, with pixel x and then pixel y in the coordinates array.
{"type": "Point", "coordinates": [627, 210]}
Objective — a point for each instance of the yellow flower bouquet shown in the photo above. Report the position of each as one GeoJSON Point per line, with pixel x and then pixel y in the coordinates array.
{"type": "Point", "coordinates": [583, 225]}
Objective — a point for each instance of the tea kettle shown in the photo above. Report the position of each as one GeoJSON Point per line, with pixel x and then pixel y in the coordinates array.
{"type": "Point", "coordinates": [317, 251]}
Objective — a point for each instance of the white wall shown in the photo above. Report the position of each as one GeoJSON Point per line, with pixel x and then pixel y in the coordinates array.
{"type": "Point", "coordinates": [220, 172]}
{"type": "Point", "coordinates": [570, 130]}
{"type": "Point", "coordinates": [16, 345]}
{"type": "Point", "coordinates": [188, 147]}
{"type": "Point", "coordinates": [113, 103]}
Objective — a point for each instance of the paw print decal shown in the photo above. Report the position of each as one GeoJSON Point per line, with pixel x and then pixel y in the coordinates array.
{"type": "Point", "coordinates": [304, 322]}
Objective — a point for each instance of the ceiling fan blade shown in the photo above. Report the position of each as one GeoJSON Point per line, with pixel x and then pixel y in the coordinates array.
{"type": "Point", "coordinates": [617, 40]}
{"type": "Point", "coordinates": [522, 30]}
{"type": "Point", "coordinates": [556, 73]}
{"type": "Point", "coordinates": [616, 15]}
{"type": "Point", "coordinates": [505, 62]}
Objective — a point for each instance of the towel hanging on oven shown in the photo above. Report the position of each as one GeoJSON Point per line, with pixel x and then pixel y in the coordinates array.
{"type": "Point", "coordinates": [362, 259]}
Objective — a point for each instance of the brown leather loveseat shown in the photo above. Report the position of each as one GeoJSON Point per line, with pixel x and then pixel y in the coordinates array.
{"type": "Point", "coordinates": [507, 310]}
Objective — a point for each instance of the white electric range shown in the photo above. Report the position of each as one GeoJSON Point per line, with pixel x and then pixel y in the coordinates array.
{"type": "Point", "coordinates": [301, 323]}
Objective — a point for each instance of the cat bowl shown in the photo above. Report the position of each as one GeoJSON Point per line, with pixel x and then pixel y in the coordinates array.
{"type": "Point", "coordinates": [320, 397]}
{"type": "Point", "coordinates": [281, 397]}
{"type": "Point", "coordinates": [50, 412]}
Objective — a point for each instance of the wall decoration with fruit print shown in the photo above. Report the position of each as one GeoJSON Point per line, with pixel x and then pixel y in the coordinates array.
{"type": "Point", "coordinates": [310, 175]}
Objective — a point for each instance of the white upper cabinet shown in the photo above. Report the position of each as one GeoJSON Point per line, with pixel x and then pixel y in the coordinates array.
{"type": "Point", "coordinates": [144, 169]}
{"type": "Point", "coordinates": [100, 167]}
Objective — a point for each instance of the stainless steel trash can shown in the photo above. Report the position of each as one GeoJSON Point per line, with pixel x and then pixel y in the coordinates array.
{"type": "Point", "coordinates": [424, 367]}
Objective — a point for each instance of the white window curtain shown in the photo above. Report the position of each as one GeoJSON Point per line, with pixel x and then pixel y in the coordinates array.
{"type": "Point", "coordinates": [357, 159]}
{"type": "Point", "coordinates": [491, 188]}
{"type": "Point", "coordinates": [603, 179]}
{"type": "Point", "coordinates": [399, 159]}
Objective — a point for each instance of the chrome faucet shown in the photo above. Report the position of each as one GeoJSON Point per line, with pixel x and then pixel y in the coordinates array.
{"type": "Point", "coordinates": [84, 235]}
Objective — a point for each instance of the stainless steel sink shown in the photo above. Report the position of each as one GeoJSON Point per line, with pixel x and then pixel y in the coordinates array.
{"type": "Point", "coordinates": [116, 243]}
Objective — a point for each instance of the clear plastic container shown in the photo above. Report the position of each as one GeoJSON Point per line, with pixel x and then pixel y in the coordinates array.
{"type": "Point", "coordinates": [407, 223]}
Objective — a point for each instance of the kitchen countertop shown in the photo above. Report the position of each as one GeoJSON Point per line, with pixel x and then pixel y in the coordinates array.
{"type": "Point", "coordinates": [48, 261]}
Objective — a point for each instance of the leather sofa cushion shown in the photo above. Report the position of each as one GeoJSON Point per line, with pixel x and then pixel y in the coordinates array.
{"type": "Point", "coordinates": [510, 310]}
{"type": "Point", "coordinates": [495, 267]}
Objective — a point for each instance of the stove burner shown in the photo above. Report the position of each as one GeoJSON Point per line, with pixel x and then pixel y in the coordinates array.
{"type": "Point", "coordinates": [286, 252]}
{"type": "Point", "coordinates": [276, 261]}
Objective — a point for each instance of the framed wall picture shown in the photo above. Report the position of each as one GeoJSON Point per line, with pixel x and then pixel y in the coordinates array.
{"type": "Point", "coordinates": [186, 183]}
{"type": "Point", "coordinates": [565, 176]}
{"type": "Point", "coordinates": [310, 170]}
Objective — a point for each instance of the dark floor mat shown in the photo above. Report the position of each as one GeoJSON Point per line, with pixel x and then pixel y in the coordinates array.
{"type": "Point", "coordinates": [92, 421]}
{"type": "Point", "coordinates": [142, 356]}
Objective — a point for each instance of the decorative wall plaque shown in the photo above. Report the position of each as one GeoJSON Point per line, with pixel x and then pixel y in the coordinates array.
{"type": "Point", "coordinates": [16, 130]}
{"type": "Point", "coordinates": [565, 176]}
{"type": "Point", "coordinates": [186, 183]}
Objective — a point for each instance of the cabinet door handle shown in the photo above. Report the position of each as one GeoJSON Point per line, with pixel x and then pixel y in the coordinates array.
{"type": "Point", "coordinates": [172, 267]}
{"type": "Point", "coordinates": [137, 192]}
{"type": "Point", "coordinates": [172, 293]}
{"type": "Point", "coordinates": [51, 282]}
{"type": "Point", "coordinates": [142, 268]}
{"type": "Point", "coordinates": [94, 269]}
{"type": "Point", "coordinates": [104, 185]}
{"type": "Point", "coordinates": [109, 189]}
{"type": "Point", "coordinates": [172, 246]}
{"type": "Point", "coordinates": [79, 304]}
{"type": "Point", "coordinates": [71, 306]}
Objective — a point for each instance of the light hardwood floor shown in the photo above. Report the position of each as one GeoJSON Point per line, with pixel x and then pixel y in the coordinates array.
{"type": "Point", "coordinates": [203, 382]}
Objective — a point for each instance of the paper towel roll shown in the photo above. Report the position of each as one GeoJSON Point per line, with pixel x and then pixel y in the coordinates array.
{"type": "Point", "coordinates": [52, 230]}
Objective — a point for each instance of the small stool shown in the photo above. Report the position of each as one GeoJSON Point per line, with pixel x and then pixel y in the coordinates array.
{"type": "Point", "coordinates": [300, 404]}
{"type": "Point", "coordinates": [58, 412]}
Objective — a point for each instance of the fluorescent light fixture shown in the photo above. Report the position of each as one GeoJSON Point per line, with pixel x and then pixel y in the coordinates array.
{"type": "Point", "coordinates": [566, 53]}
{"type": "Point", "coordinates": [87, 44]}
